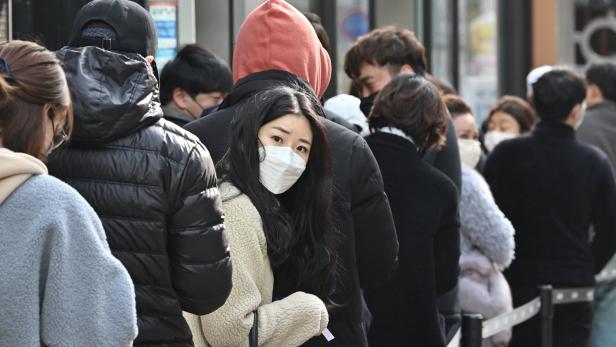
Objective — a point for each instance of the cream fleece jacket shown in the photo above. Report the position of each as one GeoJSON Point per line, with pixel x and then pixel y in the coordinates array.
{"type": "Point", "coordinates": [15, 169]}
{"type": "Point", "coordinates": [287, 322]}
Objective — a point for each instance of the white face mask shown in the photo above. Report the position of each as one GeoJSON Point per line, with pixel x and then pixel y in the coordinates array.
{"type": "Point", "coordinates": [493, 138]}
{"type": "Point", "coordinates": [280, 168]}
{"type": "Point", "coordinates": [470, 151]}
{"type": "Point", "coordinates": [581, 119]}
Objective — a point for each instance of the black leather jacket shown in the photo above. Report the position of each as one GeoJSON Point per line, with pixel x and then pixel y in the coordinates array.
{"type": "Point", "coordinates": [154, 187]}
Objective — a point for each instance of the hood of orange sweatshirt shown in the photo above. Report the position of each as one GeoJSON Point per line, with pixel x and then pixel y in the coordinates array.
{"type": "Point", "coordinates": [15, 169]}
{"type": "Point", "coordinates": [276, 36]}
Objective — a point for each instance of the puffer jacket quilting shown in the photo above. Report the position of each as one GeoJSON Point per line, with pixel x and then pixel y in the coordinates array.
{"type": "Point", "coordinates": [154, 189]}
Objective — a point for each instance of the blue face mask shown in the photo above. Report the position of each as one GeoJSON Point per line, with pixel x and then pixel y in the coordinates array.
{"type": "Point", "coordinates": [209, 110]}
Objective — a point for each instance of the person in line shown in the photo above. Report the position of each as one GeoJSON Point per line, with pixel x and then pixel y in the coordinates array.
{"type": "Point", "coordinates": [60, 284]}
{"type": "Point", "coordinates": [466, 131]}
{"type": "Point", "coordinates": [599, 129]}
{"type": "Point", "coordinates": [553, 188]}
{"type": "Point", "coordinates": [276, 45]}
{"type": "Point", "coordinates": [510, 117]}
{"type": "Point", "coordinates": [374, 60]}
{"type": "Point", "coordinates": [277, 187]}
{"type": "Point", "coordinates": [486, 234]}
{"type": "Point", "coordinates": [408, 119]}
{"type": "Point", "coordinates": [193, 84]}
{"type": "Point", "coordinates": [152, 184]}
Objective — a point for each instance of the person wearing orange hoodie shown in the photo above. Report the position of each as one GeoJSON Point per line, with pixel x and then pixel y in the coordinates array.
{"type": "Point", "coordinates": [277, 46]}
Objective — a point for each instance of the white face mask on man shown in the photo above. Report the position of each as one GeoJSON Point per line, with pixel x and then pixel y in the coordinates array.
{"type": "Point", "coordinates": [493, 138]}
{"type": "Point", "coordinates": [581, 117]}
{"type": "Point", "coordinates": [280, 168]}
{"type": "Point", "coordinates": [470, 151]}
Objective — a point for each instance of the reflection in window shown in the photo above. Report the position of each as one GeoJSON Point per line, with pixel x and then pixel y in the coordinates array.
{"type": "Point", "coordinates": [442, 48]}
{"type": "Point", "coordinates": [352, 21]}
{"type": "Point", "coordinates": [4, 20]}
{"type": "Point", "coordinates": [478, 54]}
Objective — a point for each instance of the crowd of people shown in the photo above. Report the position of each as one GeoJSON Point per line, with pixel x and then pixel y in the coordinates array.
{"type": "Point", "coordinates": [217, 206]}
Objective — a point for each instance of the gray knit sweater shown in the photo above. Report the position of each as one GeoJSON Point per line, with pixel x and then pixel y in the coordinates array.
{"type": "Point", "coordinates": [60, 285]}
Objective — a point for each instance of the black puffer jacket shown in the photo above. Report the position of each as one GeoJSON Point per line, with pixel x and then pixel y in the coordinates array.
{"type": "Point", "coordinates": [154, 187]}
{"type": "Point", "coordinates": [368, 246]}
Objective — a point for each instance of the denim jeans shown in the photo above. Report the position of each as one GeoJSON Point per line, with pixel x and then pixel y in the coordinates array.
{"type": "Point", "coordinates": [603, 332]}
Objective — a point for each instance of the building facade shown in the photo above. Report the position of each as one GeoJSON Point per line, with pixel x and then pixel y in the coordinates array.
{"type": "Point", "coordinates": [484, 48]}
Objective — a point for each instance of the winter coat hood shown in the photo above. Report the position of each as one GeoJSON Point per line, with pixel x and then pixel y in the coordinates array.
{"type": "Point", "coordinates": [114, 94]}
{"type": "Point", "coordinates": [15, 169]}
{"type": "Point", "coordinates": [276, 36]}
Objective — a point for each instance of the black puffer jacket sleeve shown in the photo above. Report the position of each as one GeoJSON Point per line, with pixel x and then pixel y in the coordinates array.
{"type": "Point", "coordinates": [376, 239]}
{"type": "Point", "coordinates": [198, 250]}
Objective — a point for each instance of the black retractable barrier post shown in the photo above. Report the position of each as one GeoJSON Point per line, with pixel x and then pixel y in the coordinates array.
{"type": "Point", "coordinates": [547, 315]}
{"type": "Point", "coordinates": [471, 330]}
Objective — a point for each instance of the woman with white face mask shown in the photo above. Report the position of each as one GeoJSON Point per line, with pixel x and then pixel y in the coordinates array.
{"type": "Point", "coordinates": [512, 116]}
{"type": "Point", "coordinates": [487, 243]}
{"type": "Point", "coordinates": [276, 189]}
{"type": "Point", "coordinates": [466, 130]}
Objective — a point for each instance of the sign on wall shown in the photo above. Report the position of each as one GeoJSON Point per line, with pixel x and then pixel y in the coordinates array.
{"type": "Point", "coordinates": [165, 17]}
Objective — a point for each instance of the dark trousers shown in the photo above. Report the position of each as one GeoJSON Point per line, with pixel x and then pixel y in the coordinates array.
{"type": "Point", "coordinates": [572, 323]}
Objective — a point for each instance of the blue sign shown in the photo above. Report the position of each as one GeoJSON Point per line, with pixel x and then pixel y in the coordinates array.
{"type": "Point", "coordinates": [356, 24]}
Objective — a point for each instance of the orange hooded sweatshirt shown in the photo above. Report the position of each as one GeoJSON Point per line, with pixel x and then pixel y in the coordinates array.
{"type": "Point", "coordinates": [276, 36]}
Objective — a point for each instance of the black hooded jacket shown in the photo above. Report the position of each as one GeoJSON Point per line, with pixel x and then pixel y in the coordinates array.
{"type": "Point", "coordinates": [368, 245]}
{"type": "Point", "coordinates": [154, 187]}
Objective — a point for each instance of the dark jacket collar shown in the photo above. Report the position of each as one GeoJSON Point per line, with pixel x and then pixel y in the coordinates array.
{"type": "Point", "coordinates": [114, 94]}
{"type": "Point", "coordinates": [554, 129]}
{"type": "Point", "coordinates": [259, 81]}
{"type": "Point", "coordinates": [393, 141]}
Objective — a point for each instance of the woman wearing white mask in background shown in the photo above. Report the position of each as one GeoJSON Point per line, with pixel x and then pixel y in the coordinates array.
{"type": "Point", "coordinates": [276, 189]}
{"type": "Point", "coordinates": [466, 131]}
{"type": "Point", "coordinates": [487, 242]}
{"type": "Point", "coordinates": [510, 117]}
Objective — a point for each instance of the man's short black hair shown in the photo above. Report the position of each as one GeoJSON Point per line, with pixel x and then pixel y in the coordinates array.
{"type": "Point", "coordinates": [603, 76]}
{"type": "Point", "coordinates": [196, 70]}
{"type": "Point", "coordinates": [556, 93]}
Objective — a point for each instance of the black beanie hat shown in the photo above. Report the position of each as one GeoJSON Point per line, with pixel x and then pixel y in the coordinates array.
{"type": "Point", "coordinates": [133, 28]}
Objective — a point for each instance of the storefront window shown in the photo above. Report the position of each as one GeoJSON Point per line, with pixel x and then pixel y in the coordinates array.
{"type": "Point", "coordinates": [478, 54]}
{"type": "Point", "coordinates": [5, 33]}
{"type": "Point", "coordinates": [352, 21]}
{"type": "Point", "coordinates": [442, 50]}
{"type": "Point", "coordinates": [302, 5]}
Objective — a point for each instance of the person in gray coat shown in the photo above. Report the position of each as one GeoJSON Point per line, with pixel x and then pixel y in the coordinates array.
{"type": "Point", "coordinates": [599, 129]}
{"type": "Point", "coordinates": [60, 286]}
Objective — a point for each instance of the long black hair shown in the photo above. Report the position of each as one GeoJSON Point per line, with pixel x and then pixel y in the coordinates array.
{"type": "Point", "coordinates": [298, 223]}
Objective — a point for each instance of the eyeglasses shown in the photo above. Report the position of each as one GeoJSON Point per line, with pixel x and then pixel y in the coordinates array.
{"type": "Point", "coordinates": [59, 137]}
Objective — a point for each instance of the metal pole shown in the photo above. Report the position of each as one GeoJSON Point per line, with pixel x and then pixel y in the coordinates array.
{"type": "Point", "coordinates": [472, 325]}
{"type": "Point", "coordinates": [547, 315]}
